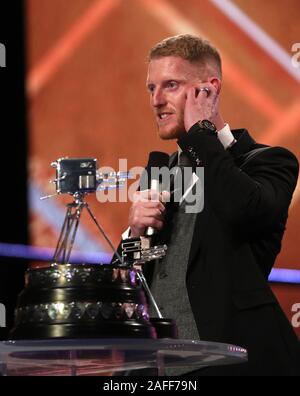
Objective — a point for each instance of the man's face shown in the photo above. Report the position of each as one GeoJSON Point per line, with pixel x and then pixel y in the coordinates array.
{"type": "Point", "coordinates": [167, 82]}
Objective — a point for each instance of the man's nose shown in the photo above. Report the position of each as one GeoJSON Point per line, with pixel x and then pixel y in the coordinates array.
{"type": "Point", "coordinates": [158, 98]}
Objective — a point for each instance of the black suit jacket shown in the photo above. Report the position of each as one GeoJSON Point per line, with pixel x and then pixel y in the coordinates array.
{"type": "Point", "coordinates": [247, 192]}
{"type": "Point", "coordinates": [237, 236]}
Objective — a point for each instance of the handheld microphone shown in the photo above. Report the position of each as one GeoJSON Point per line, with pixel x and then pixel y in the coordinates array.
{"type": "Point", "coordinates": [157, 159]}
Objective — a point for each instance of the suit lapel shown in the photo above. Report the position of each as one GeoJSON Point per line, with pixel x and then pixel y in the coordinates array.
{"type": "Point", "coordinates": [239, 152]}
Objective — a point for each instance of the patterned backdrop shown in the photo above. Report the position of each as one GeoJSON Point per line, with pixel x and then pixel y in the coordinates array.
{"type": "Point", "coordinates": [86, 68]}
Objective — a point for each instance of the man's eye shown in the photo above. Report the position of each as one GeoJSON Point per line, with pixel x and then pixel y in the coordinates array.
{"type": "Point", "coordinates": [172, 84]}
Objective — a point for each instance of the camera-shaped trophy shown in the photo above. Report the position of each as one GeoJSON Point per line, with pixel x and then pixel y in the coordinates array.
{"type": "Point", "coordinates": [67, 300]}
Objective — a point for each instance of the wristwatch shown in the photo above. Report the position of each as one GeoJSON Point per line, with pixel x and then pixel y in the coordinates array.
{"type": "Point", "coordinates": [208, 126]}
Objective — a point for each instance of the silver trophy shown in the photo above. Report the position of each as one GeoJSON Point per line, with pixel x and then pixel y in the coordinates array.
{"type": "Point", "coordinates": [67, 300]}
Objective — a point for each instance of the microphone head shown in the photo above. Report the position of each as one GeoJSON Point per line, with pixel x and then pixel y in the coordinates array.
{"type": "Point", "coordinates": [158, 159]}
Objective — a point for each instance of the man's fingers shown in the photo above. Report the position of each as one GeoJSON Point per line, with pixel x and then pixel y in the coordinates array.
{"type": "Point", "coordinates": [152, 198]}
{"type": "Point", "coordinates": [146, 195]}
{"type": "Point", "coordinates": [144, 211]}
{"type": "Point", "coordinates": [191, 94]}
{"type": "Point", "coordinates": [152, 222]}
{"type": "Point", "coordinates": [150, 205]}
{"type": "Point", "coordinates": [208, 89]}
{"type": "Point", "coordinates": [165, 196]}
{"type": "Point", "coordinates": [155, 213]}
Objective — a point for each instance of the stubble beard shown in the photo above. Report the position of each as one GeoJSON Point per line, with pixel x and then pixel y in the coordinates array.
{"type": "Point", "coordinates": [175, 132]}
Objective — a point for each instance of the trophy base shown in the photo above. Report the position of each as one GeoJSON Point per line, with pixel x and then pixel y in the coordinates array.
{"type": "Point", "coordinates": [70, 331]}
{"type": "Point", "coordinates": [82, 301]}
{"type": "Point", "coordinates": [165, 328]}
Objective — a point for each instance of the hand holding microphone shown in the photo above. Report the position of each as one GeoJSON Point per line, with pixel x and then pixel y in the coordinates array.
{"type": "Point", "coordinates": [147, 211]}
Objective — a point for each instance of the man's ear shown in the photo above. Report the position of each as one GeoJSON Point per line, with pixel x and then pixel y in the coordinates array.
{"type": "Point", "coordinates": [217, 83]}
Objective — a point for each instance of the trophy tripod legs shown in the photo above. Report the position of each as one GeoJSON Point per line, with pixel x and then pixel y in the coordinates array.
{"type": "Point", "coordinates": [68, 233]}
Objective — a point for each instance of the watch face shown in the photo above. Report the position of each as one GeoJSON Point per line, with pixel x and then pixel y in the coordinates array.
{"type": "Point", "coordinates": [206, 124]}
{"type": "Point", "coordinates": [209, 125]}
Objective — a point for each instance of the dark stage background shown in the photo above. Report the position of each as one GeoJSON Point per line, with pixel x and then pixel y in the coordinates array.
{"type": "Point", "coordinates": [13, 196]}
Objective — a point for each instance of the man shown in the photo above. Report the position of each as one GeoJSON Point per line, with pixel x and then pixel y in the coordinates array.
{"type": "Point", "coordinates": [213, 281]}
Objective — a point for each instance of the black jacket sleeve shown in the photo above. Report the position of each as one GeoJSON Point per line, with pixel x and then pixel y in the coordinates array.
{"type": "Point", "coordinates": [257, 192]}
